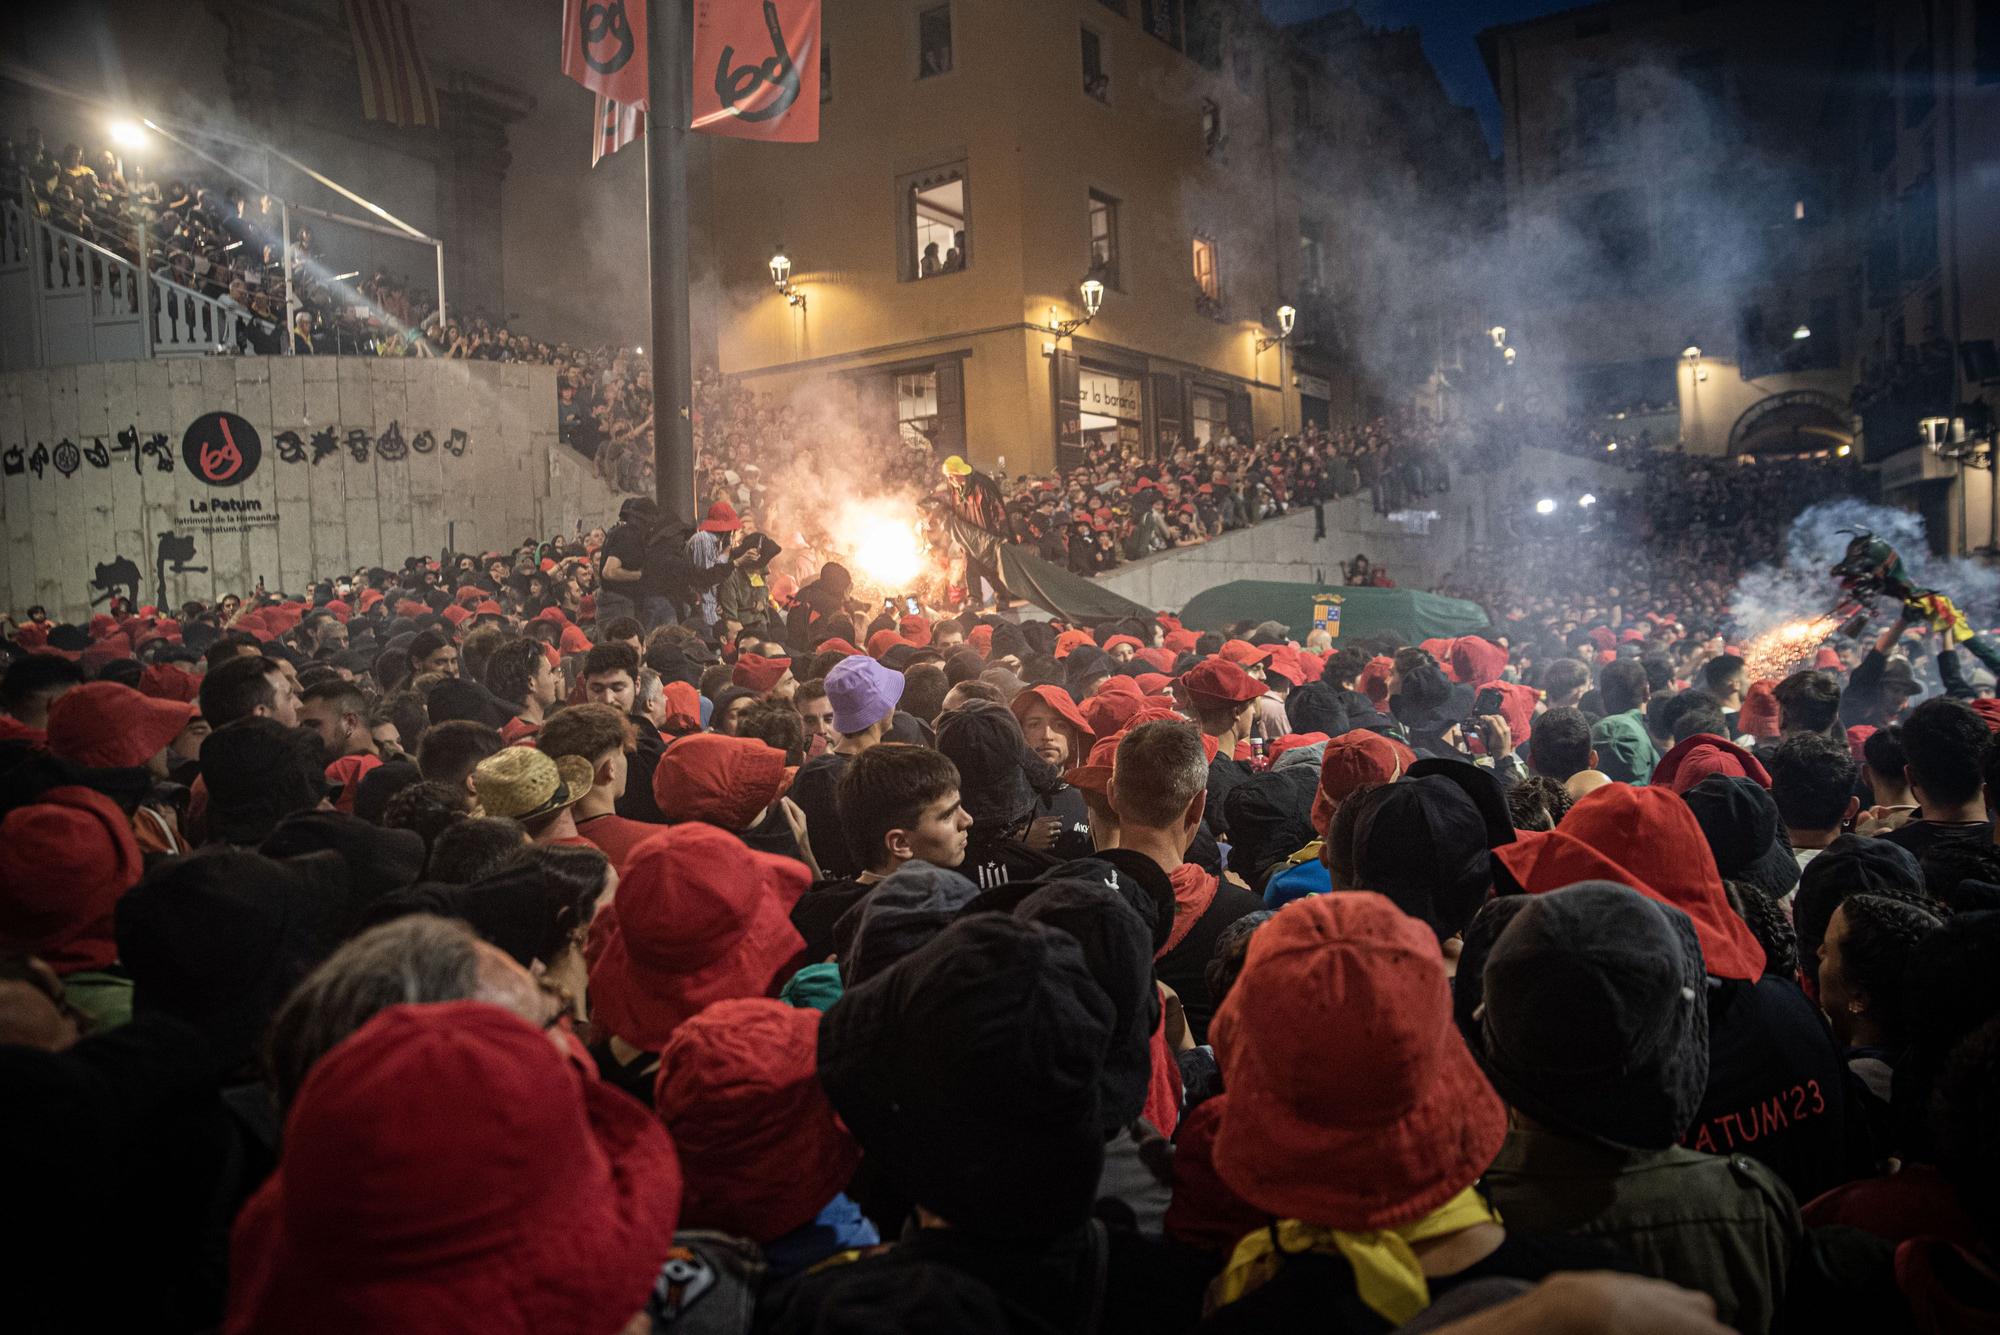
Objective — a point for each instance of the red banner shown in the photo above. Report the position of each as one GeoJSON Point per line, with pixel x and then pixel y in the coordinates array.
{"type": "Point", "coordinates": [604, 48]}
{"type": "Point", "coordinates": [756, 69]}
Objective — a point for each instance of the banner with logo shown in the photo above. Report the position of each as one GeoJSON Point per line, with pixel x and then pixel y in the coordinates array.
{"type": "Point", "coordinates": [756, 69]}
{"type": "Point", "coordinates": [604, 48]}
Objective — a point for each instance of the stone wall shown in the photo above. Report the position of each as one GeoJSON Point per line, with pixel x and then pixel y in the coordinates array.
{"type": "Point", "coordinates": [190, 478]}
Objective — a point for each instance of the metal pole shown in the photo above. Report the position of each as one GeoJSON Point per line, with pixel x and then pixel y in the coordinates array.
{"type": "Point", "coordinates": [439, 247]}
{"type": "Point", "coordinates": [291, 293]}
{"type": "Point", "coordinates": [668, 45]}
{"type": "Point", "coordinates": [145, 294]}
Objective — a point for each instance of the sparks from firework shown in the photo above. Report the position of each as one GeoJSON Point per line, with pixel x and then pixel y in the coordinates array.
{"type": "Point", "coordinates": [1777, 651]}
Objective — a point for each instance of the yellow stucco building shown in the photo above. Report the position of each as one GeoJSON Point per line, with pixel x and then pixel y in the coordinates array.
{"type": "Point", "coordinates": [978, 160]}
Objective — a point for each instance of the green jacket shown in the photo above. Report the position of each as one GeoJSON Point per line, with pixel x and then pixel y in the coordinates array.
{"type": "Point", "coordinates": [1726, 1226]}
{"type": "Point", "coordinates": [1625, 749]}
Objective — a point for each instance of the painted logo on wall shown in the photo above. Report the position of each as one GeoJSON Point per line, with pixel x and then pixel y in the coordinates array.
{"type": "Point", "coordinates": [221, 449]}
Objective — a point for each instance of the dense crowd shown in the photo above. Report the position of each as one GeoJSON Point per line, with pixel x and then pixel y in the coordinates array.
{"type": "Point", "coordinates": [600, 937]}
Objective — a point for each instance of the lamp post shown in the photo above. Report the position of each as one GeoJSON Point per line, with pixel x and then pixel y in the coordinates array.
{"type": "Point", "coordinates": [781, 278]}
{"type": "Point", "coordinates": [1287, 317]}
{"type": "Point", "coordinates": [1092, 293]}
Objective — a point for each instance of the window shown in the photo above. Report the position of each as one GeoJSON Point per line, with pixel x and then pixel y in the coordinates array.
{"type": "Point", "coordinates": [917, 407]}
{"type": "Point", "coordinates": [825, 73]}
{"type": "Point", "coordinates": [935, 223]}
{"type": "Point", "coordinates": [1594, 108]}
{"type": "Point", "coordinates": [1096, 81]}
{"type": "Point", "coordinates": [1207, 275]}
{"type": "Point", "coordinates": [1209, 411]}
{"type": "Point", "coordinates": [1312, 256]}
{"type": "Point", "coordinates": [1104, 239]}
{"type": "Point", "coordinates": [934, 42]}
{"type": "Point", "coordinates": [1212, 137]}
{"type": "Point", "coordinates": [1162, 18]}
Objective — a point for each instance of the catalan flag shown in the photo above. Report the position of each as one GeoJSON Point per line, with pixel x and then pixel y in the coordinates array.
{"type": "Point", "coordinates": [395, 85]}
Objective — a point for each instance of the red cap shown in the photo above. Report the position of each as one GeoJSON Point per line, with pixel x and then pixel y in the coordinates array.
{"type": "Point", "coordinates": [1215, 681]}
{"type": "Point", "coordinates": [1632, 635]}
{"type": "Point", "coordinates": [164, 681]}
{"type": "Point", "coordinates": [574, 641]}
{"type": "Point", "coordinates": [107, 726]}
{"type": "Point", "coordinates": [1858, 735]}
{"type": "Point", "coordinates": [882, 641]}
{"type": "Point", "coordinates": [722, 518]}
{"type": "Point", "coordinates": [759, 673]}
{"type": "Point", "coordinates": [410, 607]}
{"type": "Point", "coordinates": [1476, 660]}
{"type": "Point", "coordinates": [66, 918]}
{"type": "Point", "coordinates": [981, 638]}
{"type": "Point", "coordinates": [1180, 641]}
{"type": "Point", "coordinates": [726, 781]}
{"type": "Point", "coordinates": [1703, 754]}
{"type": "Point", "coordinates": [455, 613]}
{"type": "Point", "coordinates": [1284, 660]}
{"type": "Point", "coordinates": [1056, 698]}
{"type": "Point", "coordinates": [758, 1140]}
{"type": "Point", "coordinates": [1119, 684]}
{"type": "Point", "coordinates": [1094, 775]}
{"type": "Point", "coordinates": [519, 1187]}
{"type": "Point", "coordinates": [1072, 639]}
{"type": "Point", "coordinates": [340, 609]}
{"type": "Point", "coordinates": [1350, 761]}
{"type": "Point", "coordinates": [699, 918]}
{"type": "Point", "coordinates": [916, 629]}
{"type": "Point", "coordinates": [836, 645]}
{"type": "Point", "coordinates": [1988, 710]}
{"type": "Point", "coordinates": [1243, 653]}
{"type": "Point", "coordinates": [467, 593]}
{"type": "Point", "coordinates": [1827, 660]}
{"type": "Point", "coordinates": [1374, 680]}
{"type": "Point", "coordinates": [107, 650]}
{"type": "Point", "coordinates": [1646, 838]}
{"type": "Point", "coordinates": [1153, 683]}
{"type": "Point", "coordinates": [1336, 984]}
{"type": "Point", "coordinates": [1290, 740]}
{"type": "Point", "coordinates": [486, 607]}
{"type": "Point", "coordinates": [683, 707]}
{"type": "Point", "coordinates": [1117, 640]}
{"type": "Point", "coordinates": [369, 597]}
{"type": "Point", "coordinates": [1759, 715]}
{"type": "Point", "coordinates": [1160, 660]}
{"type": "Point", "coordinates": [1110, 711]}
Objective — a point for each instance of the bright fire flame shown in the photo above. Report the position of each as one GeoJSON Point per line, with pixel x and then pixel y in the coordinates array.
{"type": "Point", "coordinates": [884, 545]}
{"type": "Point", "coordinates": [1777, 651]}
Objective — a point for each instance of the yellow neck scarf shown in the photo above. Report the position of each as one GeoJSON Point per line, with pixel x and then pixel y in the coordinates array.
{"type": "Point", "coordinates": [1387, 1274]}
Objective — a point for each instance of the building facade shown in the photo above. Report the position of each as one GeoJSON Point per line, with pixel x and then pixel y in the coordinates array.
{"type": "Point", "coordinates": [1671, 173]}
{"type": "Point", "coordinates": [978, 161]}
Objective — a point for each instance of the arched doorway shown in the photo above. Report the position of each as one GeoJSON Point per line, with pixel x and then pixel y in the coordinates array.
{"type": "Point", "coordinates": [1802, 421]}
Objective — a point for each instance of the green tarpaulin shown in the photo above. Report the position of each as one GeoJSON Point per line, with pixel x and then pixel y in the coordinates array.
{"type": "Point", "coordinates": [1075, 598]}
{"type": "Point", "coordinates": [1406, 614]}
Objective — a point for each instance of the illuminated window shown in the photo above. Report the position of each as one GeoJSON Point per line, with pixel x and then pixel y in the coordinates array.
{"type": "Point", "coordinates": [935, 228]}
{"type": "Point", "coordinates": [1207, 274]}
{"type": "Point", "coordinates": [1096, 79]}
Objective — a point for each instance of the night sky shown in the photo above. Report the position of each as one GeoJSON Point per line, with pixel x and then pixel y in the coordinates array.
{"type": "Point", "coordinates": [1449, 29]}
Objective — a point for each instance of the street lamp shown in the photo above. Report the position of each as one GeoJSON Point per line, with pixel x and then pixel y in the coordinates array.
{"type": "Point", "coordinates": [1801, 334]}
{"type": "Point", "coordinates": [1507, 355]}
{"type": "Point", "coordinates": [1498, 333]}
{"type": "Point", "coordinates": [1092, 293]}
{"type": "Point", "coordinates": [781, 278]}
{"type": "Point", "coordinates": [127, 134]}
{"type": "Point", "coordinates": [1690, 354]}
{"type": "Point", "coordinates": [1287, 317]}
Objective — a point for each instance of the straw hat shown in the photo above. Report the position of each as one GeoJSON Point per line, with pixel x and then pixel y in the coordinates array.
{"type": "Point", "coordinates": [521, 783]}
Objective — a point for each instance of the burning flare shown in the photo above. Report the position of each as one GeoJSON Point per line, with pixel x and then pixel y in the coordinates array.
{"type": "Point", "coordinates": [882, 537]}
{"type": "Point", "coordinates": [1777, 651]}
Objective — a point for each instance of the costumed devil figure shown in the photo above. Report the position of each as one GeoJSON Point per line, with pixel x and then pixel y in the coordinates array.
{"type": "Point", "coordinates": [1871, 568]}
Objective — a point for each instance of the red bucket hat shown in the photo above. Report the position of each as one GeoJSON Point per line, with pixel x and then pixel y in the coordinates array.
{"type": "Point", "coordinates": [1216, 681]}
{"type": "Point", "coordinates": [759, 1143]}
{"type": "Point", "coordinates": [107, 726]}
{"type": "Point", "coordinates": [65, 860]}
{"type": "Point", "coordinates": [1646, 838]}
{"type": "Point", "coordinates": [1759, 715]}
{"type": "Point", "coordinates": [916, 629]}
{"type": "Point", "coordinates": [1333, 985]}
{"type": "Point", "coordinates": [882, 641]}
{"type": "Point", "coordinates": [1110, 711]}
{"type": "Point", "coordinates": [1243, 653]}
{"type": "Point", "coordinates": [722, 518]}
{"type": "Point", "coordinates": [1160, 660]}
{"type": "Point", "coordinates": [1072, 639]}
{"type": "Point", "coordinates": [164, 681]}
{"type": "Point", "coordinates": [699, 918]}
{"type": "Point", "coordinates": [1374, 681]}
{"type": "Point", "coordinates": [446, 1167]}
{"type": "Point", "coordinates": [1476, 660]}
{"type": "Point", "coordinates": [1351, 760]}
{"type": "Point", "coordinates": [1056, 698]}
{"type": "Point", "coordinates": [726, 781]}
{"type": "Point", "coordinates": [759, 673]}
{"type": "Point", "coordinates": [347, 773]}
{"type": "Point", "coordinates": [1180, 642]}
{"type": "Point", "coordinates": [1117, 640]}
{"type": "Point", "coordinates": [1703, 754]}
